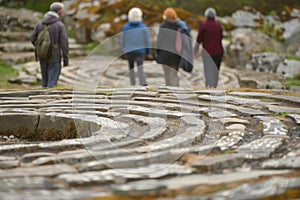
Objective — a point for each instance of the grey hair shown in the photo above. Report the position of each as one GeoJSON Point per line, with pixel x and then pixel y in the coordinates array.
{"type": "Point", "coordinates": [210, 13]}
{"type": "Point", "coordinates": [56, 6]}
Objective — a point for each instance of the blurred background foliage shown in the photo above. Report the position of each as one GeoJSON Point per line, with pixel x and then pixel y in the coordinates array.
{"type": "Point", "coordinates": [224, 7]}
{"type": "Point", "coordinates": [37, 5]}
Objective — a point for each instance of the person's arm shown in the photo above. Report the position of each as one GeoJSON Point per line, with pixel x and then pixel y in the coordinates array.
{"type": "Point", "coordinates": [147, 41]}
{"type": "Point", "coordinates": [158, 42]}
{"type": "Point", "coordinates": [34, 35]}
{"type": "Point", "coordinates": [123, 38]}
{"type": "Point", "coordinates": [199, 40]}
{"type": "Point", "coordinates": [64, 44]}
{"type": "Point", "coordinates": [33, 39]}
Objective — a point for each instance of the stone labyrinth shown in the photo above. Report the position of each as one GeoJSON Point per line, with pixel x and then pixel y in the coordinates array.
{"type": "Point", "coordinates": [111, 71]}
{"type": "Point", "coordinates": [149, 143]}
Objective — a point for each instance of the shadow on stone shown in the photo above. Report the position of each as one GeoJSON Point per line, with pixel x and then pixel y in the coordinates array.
{"type": "Point", "coordinates": [38, 127]}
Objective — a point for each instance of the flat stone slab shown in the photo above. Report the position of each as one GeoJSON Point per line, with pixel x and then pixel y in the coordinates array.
{"type": "Point", "coordinates": [15, 122]}
{"type": "Point", "coordinates": [234, 121]}
{"type": "Point", "coordinates": [272, 126]}
{"type": "Point", "coordinates": [211, 92]}
{"type": "Point", "coordinates": [192, 120]}
{"type": "Point", "coordinates": [75, 157]}
{"type": "Point", "coordinates": [231, 99]}
{"type": "Point", "coordinates": [155, 126]}
{"type": "Point", "coordinates": [189, 181]}
{"type": "Point", "coordinates": [251, 111]}
{"type": "Point", "coordinates": [180, 140]}
{"type": "Point", "coordinates": [260, 148]}
{"type": "Point", "coordinates": [231, 140]}
{"type": "Point", "coordinates": [8, 164]}
{"type": "Point", "coordinates": [122, 175]}
{"type": "Point", "coordinates": [292, 99]}
{"type": "Point", "coordinates": [252, 94]}
{"type": "Point", "coordinates": [284, 109]}
{"type": "Point", "coordinates": [50, 194]}
{"type": "Point", "coordinates": [151, 112]}
{"type": "Point", "coordinates": [283, 163]}
{"type": "Point", "coordinates": [240, 109]}
{"type": "Point", "coordinates": [270, 188]}
{"type": "Point", "coordinates": [240, 127]}
{"type": "Point", "coordinates": [129, 161]}
{"type": "Point", "coordinates": [296, 117]}
{"type": "Point", "coordinates": [219, 162]}
{"type": "Point", "coordinates": [27, 158]}
{"type": "Point", "coordinates": [219, 113]}
{"type": "Point", "coordinates": [46, 171]}
{"type": "Point", "coordinates": [29, 183]}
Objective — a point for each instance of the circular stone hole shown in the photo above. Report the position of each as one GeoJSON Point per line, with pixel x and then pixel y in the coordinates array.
{"type": "Point", "coordinates": [39, 127]}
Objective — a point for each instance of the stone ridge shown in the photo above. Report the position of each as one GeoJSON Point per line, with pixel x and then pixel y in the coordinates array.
{"type": "Point", "coordinates": [149, 143]}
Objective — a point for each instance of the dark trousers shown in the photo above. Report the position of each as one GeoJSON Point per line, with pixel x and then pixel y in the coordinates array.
{"type": "Point", "coordinates": [139, 59]}
{"type": "Point", "coordinates": [217, 60]}
{"type": "Point", "coordinates": [211, 70]}
{"type": "Point", "coordinates": [50, 73]}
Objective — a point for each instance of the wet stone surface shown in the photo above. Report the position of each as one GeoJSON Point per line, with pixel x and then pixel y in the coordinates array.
{"type": "Point", "coordinates": [149, 143]}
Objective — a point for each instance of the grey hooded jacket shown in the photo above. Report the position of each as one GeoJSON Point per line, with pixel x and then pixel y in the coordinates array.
{"type": "Point", "coordinates": [58, 35]}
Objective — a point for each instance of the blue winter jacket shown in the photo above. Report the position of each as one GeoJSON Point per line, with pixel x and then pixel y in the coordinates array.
{"type": "Point", "coordinates": [135, 38]}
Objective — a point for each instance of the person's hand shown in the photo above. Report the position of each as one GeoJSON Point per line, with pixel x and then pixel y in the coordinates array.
{"type": "Point", "coordinates": [65, 64]}
{"type": "Point", "coordinates": [196, 55]}
{"type": "Point", "coordinates": [150, 56]}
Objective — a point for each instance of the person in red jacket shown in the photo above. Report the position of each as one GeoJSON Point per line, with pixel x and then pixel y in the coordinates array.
{"type": "Point", "coordinates": [210, 35]}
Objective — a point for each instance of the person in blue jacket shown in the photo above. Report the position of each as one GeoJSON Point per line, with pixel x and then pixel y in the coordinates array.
{"type": "Point", "coordinates": [136, 44]}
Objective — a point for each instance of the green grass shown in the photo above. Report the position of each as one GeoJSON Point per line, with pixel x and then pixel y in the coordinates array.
{"type": "Point", "coordinates": [293, 57]}
{"type": "Point", "coordinates": [71, 33]}
{"type": "Point", "coordinates": [37, 5]}
{"type": "Point", "coordinates": [6, 72]}
{"type": "Point", "coordinates": [292, 82]}
{"type": "Point", "coordinates": [91, 46]}
{"type": "Point", "coordinates": [260, 127]}
{"type": "Point", "coordinates": [295, 81]}
{"type": "Point", "coordinates": [281, 114]}
{"type": "Point", "coordinates": [272, 32]}
{"type": "Point", "coordinates": [97, 48]}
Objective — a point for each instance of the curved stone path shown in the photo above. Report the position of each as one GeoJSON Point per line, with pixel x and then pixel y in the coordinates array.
{"type": "Point", "coordinates": [103, 70]}
{"type": "Point", "coordinates": [149, 143]}
{"type": "Point", "coordinates": [107, 70]}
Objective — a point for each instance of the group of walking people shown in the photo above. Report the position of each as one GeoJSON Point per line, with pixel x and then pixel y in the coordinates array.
{"type": "Point", "coordinates": [169, 51]}
{"type": "Point", "coordinates": [173, 46]}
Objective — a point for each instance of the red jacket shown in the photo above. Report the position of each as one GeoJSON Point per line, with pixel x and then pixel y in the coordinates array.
{"type": "Point", "coordinates": [210, 34]}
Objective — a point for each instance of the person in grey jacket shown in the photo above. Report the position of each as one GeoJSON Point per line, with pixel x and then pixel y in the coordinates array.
{"type": "Point", "coordinates": [51, 67]}
{"type": "Point", "coordinates": [166, 51]}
